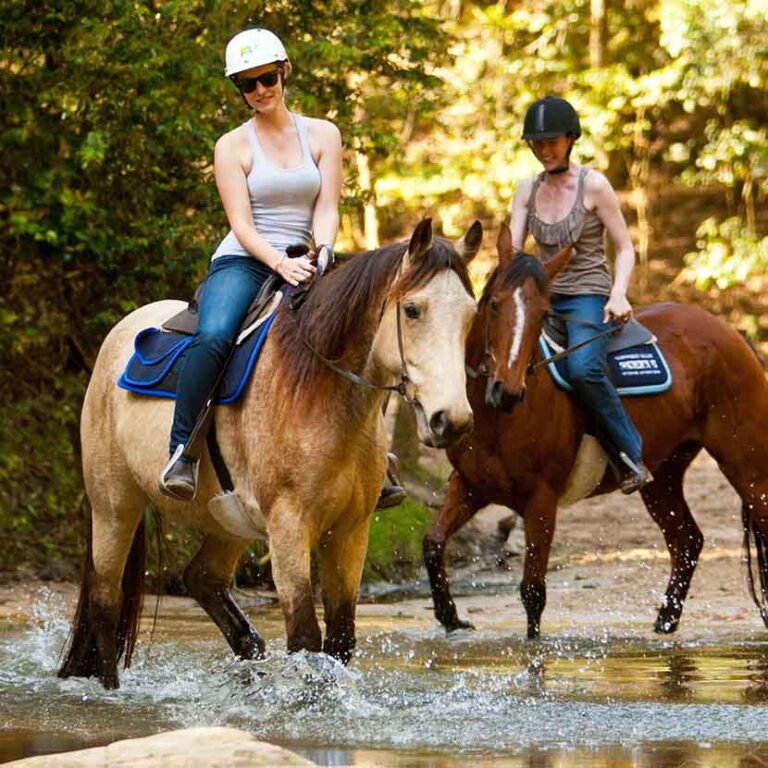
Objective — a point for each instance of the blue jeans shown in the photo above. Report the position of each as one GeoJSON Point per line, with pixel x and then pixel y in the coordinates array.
{"type": "Point", "coordinates": [587, 373]}
{"type": "Point", "coordinates": [233, 283]}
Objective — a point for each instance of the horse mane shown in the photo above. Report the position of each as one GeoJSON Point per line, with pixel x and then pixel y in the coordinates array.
{"type": "Point", "coordinates": [336, 303]}
{"type": "Point", "coordinates": [522, 267]}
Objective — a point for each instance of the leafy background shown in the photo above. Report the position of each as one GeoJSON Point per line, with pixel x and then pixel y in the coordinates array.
{"type": "Point", "coordinates": [108, 116]}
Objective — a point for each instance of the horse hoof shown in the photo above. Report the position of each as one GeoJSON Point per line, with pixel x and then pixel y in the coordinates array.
{"type": "Point", "coordinates": [251, 647]}
{"type": "Point", "coordinates": [111, 682]}
{"type": "Point", "coordinates": [458, 625]}
{"type": "Point", "coordinates": [665, 626]}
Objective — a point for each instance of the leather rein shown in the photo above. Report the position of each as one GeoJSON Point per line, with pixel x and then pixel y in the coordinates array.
{"type": "Point", "coordinates": [401, 387]}
{"type": "Point", "coordinates": [485, 370]}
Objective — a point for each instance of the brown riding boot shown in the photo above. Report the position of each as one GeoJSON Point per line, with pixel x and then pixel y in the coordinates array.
{"type": "Point", "coordinates": [179, 478]}
{"type": "Point", "coordinates": [392, 493]}
{"type": "Point", "coordinates": [636, 477]}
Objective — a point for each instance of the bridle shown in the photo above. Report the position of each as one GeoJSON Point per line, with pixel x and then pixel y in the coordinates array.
{"type": "Point", "coordinates": [486, 371]}
{"type": "Point", "coordinates": [401, 387]}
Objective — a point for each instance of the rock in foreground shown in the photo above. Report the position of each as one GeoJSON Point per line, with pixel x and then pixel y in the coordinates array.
{"type": "Point", "coordinates": [191, 748]}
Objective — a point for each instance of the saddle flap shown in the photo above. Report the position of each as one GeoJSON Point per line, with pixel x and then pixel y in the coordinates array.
{"type": "Point", "coordinates": [185, 322]}
{"type": "Point", "coordinates": [632, 334]}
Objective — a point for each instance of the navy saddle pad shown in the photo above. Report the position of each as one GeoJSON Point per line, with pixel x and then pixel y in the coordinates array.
{"type": "Point", "coordinates": [154, 367]}
{"type": "Point", "coordinates": [636, 370]}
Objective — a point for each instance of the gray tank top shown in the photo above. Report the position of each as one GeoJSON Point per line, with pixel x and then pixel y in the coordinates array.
{"type": "Point", "coordinates": [282, 199]}
{"type": "Point", "coordinates": [587, 270]}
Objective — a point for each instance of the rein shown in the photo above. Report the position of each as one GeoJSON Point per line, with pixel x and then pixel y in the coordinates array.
{"type": "Point", "coordinates": [484, 370]}
{"type": "Point", "coordinates": [401, 387]}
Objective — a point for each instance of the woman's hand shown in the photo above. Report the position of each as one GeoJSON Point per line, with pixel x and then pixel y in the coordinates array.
{"type": "Point", "coordinates": [295, 271]}
{"type": "Point", "coordinates": [617, 308]}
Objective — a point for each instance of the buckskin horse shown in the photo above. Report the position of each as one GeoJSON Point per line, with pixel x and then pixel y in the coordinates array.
{"type": "Point", "coordinates": [529, 449]}
{"type": "Point", "coordinates": [304, 445]}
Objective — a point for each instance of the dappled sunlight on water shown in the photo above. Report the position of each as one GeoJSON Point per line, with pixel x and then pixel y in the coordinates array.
{"type": "Point", "coordinates": [412, 697]}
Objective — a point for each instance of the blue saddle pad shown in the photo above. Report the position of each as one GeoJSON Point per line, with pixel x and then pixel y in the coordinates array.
{"type": "Point", "coordinates": [638, 370]}
{"type": "Point", "coordinates": [154, 367]}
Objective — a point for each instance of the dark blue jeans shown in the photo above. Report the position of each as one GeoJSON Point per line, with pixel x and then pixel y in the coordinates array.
{"type": "Point", "coordinates": [233, 283]}
{"type": "Point", "coordinates": [587, 373]}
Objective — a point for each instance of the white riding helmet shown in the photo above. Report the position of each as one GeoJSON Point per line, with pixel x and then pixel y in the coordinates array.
{"type": "Point", "coordinates": [253, 48]}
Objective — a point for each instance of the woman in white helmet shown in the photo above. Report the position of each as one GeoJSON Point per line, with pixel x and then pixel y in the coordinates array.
{"type": "Point", "coordinates": [279, 177]}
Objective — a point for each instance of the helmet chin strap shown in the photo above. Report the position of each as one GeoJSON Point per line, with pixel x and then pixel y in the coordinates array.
{"type": "Point", "coordinates": [566, 165]}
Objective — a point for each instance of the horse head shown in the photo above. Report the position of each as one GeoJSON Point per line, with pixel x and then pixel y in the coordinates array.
{"type": "Point", "coordinates": [510, 317]}
{"type": "Point", "coordinates": [423, 330]}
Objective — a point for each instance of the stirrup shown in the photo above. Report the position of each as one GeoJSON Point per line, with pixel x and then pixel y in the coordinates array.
{"type": "Point", "coordinates": [175, 482]}
{"type": "Point", "coordinates": [639, 475]}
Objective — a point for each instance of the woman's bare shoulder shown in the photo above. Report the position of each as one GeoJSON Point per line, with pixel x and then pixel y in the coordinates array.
{"type": "Point", "coordinates": [322, 129]}
{"type": "Point", "coordinates": [232, 140]}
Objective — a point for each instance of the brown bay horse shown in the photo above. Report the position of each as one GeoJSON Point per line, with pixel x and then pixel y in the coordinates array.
{"type": "Point", "coordinates": [529, 449]}
{"type": "Point", "coordinates": [306, 449]}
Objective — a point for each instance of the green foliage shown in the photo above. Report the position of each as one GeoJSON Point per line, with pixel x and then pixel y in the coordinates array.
{"type": "Point", "coordinates": [727, 254]}
{"type": "Point", "coordinates": [109, 111]}
{"type": "Point", "coordinates": [394, 545]}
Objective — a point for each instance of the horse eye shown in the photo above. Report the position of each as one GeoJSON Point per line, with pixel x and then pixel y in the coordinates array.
{"type": "Point", "coordinates": [494, 305]}
{"type": "Point", "coordinates": [412, 311]}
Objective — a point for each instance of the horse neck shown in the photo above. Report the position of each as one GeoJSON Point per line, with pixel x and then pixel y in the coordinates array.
{"type": "Point", "coordinates": [301, 370]}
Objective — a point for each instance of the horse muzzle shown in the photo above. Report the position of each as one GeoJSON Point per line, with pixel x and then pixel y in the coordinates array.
{"type": "Point", "coordinates": [498, 396]}
{"type": "Point", "coordinates": [442, 429]}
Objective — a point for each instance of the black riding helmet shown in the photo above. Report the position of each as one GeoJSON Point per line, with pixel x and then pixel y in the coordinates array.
{"type": "Point", "coordinates": [550, 117]}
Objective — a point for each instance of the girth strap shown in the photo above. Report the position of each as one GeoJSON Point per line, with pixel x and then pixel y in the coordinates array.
{"type": "Point", "coordinates": [219, 465]}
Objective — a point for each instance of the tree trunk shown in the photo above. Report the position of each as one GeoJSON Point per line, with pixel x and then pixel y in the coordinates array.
{"type": "Point", "coordinates": [597, 31]}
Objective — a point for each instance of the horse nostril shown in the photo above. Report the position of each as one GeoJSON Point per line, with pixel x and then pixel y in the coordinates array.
{"type": "Point", "coordinates": [497, 391]}
{"type": "Point", "coordinates": [438, 423]}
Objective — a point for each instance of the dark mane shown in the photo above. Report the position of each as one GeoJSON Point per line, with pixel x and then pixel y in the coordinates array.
{"type": "Point", "coordinates": [523, 266]}
{"type": "Point", "coordinates": [337, 303]}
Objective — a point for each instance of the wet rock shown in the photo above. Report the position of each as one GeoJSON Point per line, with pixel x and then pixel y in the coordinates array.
{"type": "Point", "coordinates": [190, 748]}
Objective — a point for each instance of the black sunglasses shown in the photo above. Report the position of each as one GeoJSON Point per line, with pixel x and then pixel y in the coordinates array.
{"type": "Point", "coordinates": [268, 80]}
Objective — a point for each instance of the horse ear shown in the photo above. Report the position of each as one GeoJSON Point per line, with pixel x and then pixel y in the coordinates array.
{"type": "Point", "coordinates": [421, 240]}
{"type": "Point", "coordinates": [469, 244]}
{"type": "Point", "coordinates": [554, 264]}
{"type": "Point", "coordinates": [504, 246]}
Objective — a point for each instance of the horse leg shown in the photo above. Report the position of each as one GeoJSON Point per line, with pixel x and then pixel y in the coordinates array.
{"type": "Point", "coordinates": [291, 570]}
{"type": "Point", "coordinates": [747, 474]}
{"type": "Point", "coordinates": [664, 501]}
{"type": "Point", "coordinates": [460, 505]}
{"type": "Point", "coordinates": [208, 578]}
{"type": "Point", "coordinates": [539, 517]}
{"type": "Point", "coordinates": [340, 560]}
{"type": "Point", "coordinates": [109, 606]}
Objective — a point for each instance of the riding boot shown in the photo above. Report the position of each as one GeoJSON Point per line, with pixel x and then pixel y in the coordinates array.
{"type": "Point", "coordinates": [392, 493]}
{"type": "Point", "coordinates": [636, 475]}
{"type": "Point", "coordinates": [179, 478]}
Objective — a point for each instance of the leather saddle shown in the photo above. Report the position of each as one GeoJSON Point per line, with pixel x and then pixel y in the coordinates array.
{"type": "Point", "coordinates": [267, 300]}
{"type": "Point", "coordinates": [631, 334]}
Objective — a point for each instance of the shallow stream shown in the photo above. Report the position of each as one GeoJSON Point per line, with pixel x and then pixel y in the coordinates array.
{"type": "Point", "coordinates": [607, 698]}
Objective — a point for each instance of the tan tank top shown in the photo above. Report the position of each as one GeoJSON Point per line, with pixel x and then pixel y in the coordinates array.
{"type": "Point", "coordinates": [587, 271]}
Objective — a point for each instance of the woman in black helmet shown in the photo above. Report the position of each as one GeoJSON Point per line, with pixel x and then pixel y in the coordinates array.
{"type": "Point", "coordinates": [568, 203]}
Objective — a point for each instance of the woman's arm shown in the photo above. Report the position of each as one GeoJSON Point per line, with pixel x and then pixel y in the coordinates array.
{"type": "Point", "coordinates": [608, 209]}
{"type": "Point", "coordinates": [519, 214]}
{"type": "Point", "coordinates": [228, 165]}
{"type": "Point", "coordinates": [325, 220]}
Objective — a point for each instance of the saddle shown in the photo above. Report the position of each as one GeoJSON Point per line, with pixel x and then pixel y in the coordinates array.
{"type": "Point", "coordinates": [185, 322]}
{"type": "Point", "coordinates": [636, 365]}
{"type": "Point", "coordinates": [631, 334]}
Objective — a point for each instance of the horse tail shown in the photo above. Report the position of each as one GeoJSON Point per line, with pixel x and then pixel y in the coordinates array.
{"type": "Point", "coordinates": [81, 655]}
{"type": "Point", "coordinates": [761, 550]}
